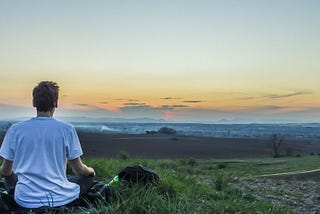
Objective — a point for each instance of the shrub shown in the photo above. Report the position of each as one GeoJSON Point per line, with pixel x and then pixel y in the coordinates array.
{"type": "Point", "coordinates": [219, 181]}
{"type": "Point", "coordinates": [123, 155]}
{"type": "Point", "coordinates": [151, 132]}
{"type": "Point", "coordinates": [222, 166]}
{"type": "Point", "coordinates": [192, 162]}
{"type": "Point", "coordinates": [167, 130]}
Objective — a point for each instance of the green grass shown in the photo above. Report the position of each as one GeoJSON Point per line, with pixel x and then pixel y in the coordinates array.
{"type": "Point", "coordinates": [194, 185]}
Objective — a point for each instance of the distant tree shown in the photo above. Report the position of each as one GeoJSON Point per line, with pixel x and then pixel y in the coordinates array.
{"type": "Point", "coordinates": [167, 130]}
{"type": "Point", "coordinates": [276, 140]}
{"type": "Point", "coordinates": [123, 155]}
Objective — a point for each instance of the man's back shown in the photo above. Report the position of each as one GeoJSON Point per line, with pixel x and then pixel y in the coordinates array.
{"type": "Point", "coordinates": [39, 149]}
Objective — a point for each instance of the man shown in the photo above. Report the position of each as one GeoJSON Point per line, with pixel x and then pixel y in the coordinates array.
{"type": "Point", "coordinates": [35, 154]}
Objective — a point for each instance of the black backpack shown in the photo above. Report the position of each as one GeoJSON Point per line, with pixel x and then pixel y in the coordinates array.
{"type": "Point", "coordinates": [7, 202]}
{"type": "Point", "coordinates": [97, 194]}
{"type": "Point", "coordinates": [138, 175]}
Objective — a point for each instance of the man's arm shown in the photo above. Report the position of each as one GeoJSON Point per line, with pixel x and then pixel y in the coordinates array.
{"type": "Point", "coordinates": [6, 168]}
{"type": "Point", "coordinates": [80, 168]}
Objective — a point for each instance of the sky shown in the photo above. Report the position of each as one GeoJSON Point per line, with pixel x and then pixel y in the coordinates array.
{"type": "Point", "coordinates": [178, 60]}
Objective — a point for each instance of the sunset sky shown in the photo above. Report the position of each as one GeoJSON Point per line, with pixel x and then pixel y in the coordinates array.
{"type": "Point", "coordinates": [178, 60]}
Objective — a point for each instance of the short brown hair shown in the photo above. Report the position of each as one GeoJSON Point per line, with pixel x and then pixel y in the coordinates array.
{"type": "Point", "coordinates": [45, 96]}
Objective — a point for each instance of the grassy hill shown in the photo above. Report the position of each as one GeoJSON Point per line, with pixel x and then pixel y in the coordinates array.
{"type": "Point", "coordinates": [198, 186]}
{"type": "Point", "coordinates": [207, 186]}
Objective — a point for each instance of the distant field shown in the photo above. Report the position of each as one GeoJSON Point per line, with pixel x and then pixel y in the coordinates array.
{"type": "Point", "coordinates": [176, 146]}
{"type": "Point", "coordinates": [161, 146]}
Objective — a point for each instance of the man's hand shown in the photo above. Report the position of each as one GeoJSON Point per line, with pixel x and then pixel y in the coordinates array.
{"type": "Point", "coordinates": [80, 168]}
{"type": "Point", "coordinates": [93, 173]}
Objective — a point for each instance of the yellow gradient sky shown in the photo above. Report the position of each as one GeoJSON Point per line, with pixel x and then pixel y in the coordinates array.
{"type": "Point", "coordinates": [193, 61]}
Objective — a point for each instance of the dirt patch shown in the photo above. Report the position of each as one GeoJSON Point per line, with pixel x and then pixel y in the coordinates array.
{"type": "Point", "coordinates": [298, 175]}
{"type": "Point", "coordinates": [299, 191]}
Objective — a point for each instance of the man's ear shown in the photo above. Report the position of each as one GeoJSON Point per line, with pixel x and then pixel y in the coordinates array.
{"type": "Point", "coordinates": [55, 104]}
{"type": "Point", "coordinates": [33, 103]}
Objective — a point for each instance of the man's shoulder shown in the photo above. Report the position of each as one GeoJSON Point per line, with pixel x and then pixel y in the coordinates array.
{"type": "Point", "coordinates": [17, 124]}
{"type": "Point", "coordinates": [63, 124]}
{"type": "Point", "coordinates": [44, 121]}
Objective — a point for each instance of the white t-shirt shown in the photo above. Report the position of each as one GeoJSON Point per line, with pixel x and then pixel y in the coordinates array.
{"type": "Point", "coordinates": [39, 149]}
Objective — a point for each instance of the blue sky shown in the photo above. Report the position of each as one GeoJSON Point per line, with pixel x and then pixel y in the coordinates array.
{"type": "Point", "coordinates": [256, 60]}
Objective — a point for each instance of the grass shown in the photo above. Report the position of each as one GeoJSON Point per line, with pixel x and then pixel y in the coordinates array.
{"type": "Point", "coordinates": [197, 186]}
{"type": "Point", "coordinates": [194, 185]}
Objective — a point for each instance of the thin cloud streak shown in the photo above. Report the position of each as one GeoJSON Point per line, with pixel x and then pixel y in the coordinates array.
{"type": "Point", "coordinates": [134, 104]}
{"type": "Point", "coordinates": [170, 98]}
{"type": "Point", "coordinates": [250, 98]}
{"type": "Point", "coordinates": [265, 108]}
{"type": "Point", "coordinates": [89, 107]}
{"type": "Point", "coordinates": [179, 106]}
{"type": "Point", "coordinates": [278, 96]}
{"type": "Point", "coordinates": [193, 101]}
{"type": "Point", "coordinates": [82, 104]}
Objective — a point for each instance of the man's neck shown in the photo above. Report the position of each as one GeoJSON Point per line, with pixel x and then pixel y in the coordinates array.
{"type": "Point", "coordinates": [45, 114]}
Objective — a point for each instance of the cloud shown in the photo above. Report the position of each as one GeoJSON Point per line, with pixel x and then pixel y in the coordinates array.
{"type": "Point", "coordinates": [176, 113]}
{"type": "Point", "coordinates": [277, 96]}
{"type": "Point", "coordinates": [81, 104]}
{"type": "Point", "coordinates": [164, 108]}
{"type": "Point", "coordinates": [170, 98]}
{"type": "Point", "coordinates": [104, 102]}
{"type": "Point", "coordinates": [144, 107]}
{"type": "Point", "coordinates": [183, 113]}
{"type": "Point", "coordinates": [264, 108]}
{"type": "Point", "coordinates": [249, 98]}
{"type": "Point", "coordinates": [86, 111]}
{"type": "Point", "coordinates": [193, 101]}
{"type": "Point", "coordinates": [134, 104]}
{"type": "Point", "coordinates": [88, 107]}
{"type": "Point", "coordinates": [134, 107]}
{"type": "Point", "coordinates": [179, 106]}
{"type": "Point", "coordinates": [133, 111]}
{"type": "Point", "coordinates": [148, 111]}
